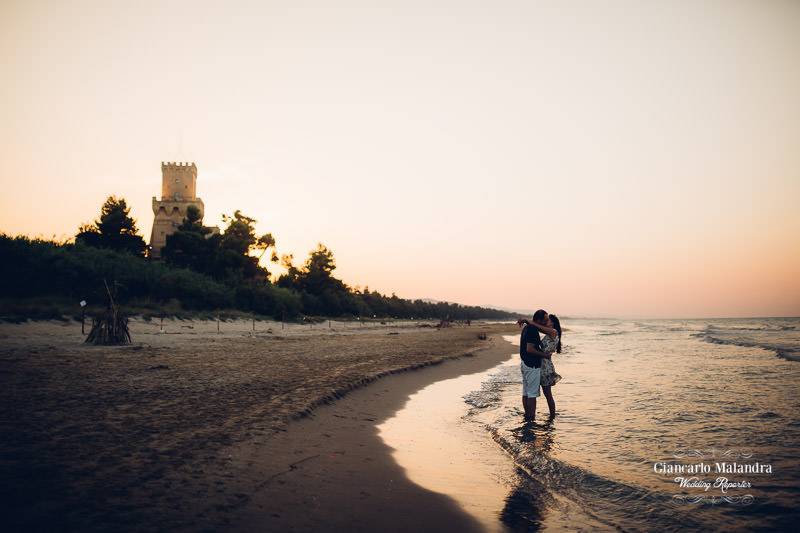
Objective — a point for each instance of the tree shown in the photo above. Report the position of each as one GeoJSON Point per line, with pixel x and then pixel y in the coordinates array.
{"type": "Point", "coordinates": [115, 229]}
{"type": "Point", "coordinates": [238, 243]}
{"type": "Point", "coordinates": [314, 276]}
{"type": "Point", "coordinates": [194, 221]}
{"type": "Point", "coordinates": [318, 271]}
{"type": "Point", "coordinates": [323, 294]}
{"type": "Point", "coordinates": [227, 257]}
{"type": "Point", "coordinates": [192, 245]}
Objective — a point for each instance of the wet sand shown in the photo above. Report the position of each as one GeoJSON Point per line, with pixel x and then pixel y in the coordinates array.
{"type": "Point", "coordinates": [441, 450]}
{"type": "Point", "coordinates": [334, 471]}
{"type": "Point", "coordinates": [171, 433]}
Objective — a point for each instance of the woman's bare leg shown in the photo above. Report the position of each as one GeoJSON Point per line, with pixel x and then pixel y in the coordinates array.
{"type": "Point", "coordinates": [551, 403]}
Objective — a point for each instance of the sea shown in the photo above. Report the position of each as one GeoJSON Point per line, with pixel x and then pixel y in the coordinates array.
{"type": "Point", "coordinates": [662, 425]}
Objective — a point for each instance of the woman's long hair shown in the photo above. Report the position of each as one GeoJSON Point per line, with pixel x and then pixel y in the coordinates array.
{"type": "Point", "coordinates": [557, 327]}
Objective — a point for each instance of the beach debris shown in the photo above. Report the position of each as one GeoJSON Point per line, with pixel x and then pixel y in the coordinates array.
{"type": "Point", "coordinates": [110, 328]}
{"type": "Point", "coordinates": [482, 336]}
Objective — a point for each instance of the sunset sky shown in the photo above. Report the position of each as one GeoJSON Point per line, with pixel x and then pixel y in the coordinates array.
{"type": "Point", "coordinates": [619, 158]}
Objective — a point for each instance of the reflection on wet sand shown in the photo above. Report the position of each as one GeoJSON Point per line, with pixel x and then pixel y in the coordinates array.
{"type": "Point", "coordinates": [445, 451]}
{"type": "Point", "coordinates": [525, 505]}
{"type": "Point", "coordinates": [442, 452]}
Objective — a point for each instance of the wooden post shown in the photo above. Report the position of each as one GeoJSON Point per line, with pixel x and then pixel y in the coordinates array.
{"type": "Point", "coordinates": [161, 329]}
{"type": "Point", "coordinates": [217, 323]}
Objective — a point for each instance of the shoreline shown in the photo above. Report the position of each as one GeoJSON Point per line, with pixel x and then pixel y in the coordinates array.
{"type": "Point", "coordinates": [339, 447]}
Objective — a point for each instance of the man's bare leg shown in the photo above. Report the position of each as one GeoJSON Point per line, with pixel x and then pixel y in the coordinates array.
{"type": "Point", "coordinates": [530, 407]}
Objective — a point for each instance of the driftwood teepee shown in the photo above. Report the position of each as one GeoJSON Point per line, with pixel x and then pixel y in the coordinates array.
{"type": "Point", "coordinates": [110, 327]}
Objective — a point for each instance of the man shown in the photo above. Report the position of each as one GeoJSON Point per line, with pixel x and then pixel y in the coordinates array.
{"type": "Point", "coordinates": [530, 351]}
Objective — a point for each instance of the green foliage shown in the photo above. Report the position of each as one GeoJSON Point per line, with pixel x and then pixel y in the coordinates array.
{"type": "Point", "coordinates": [324, 295]}
{"type": "Point", "coordinates": [269, 300]}
{"type": "Point", "coordinates": [192, 245]}
{"type": "Point", "coordinates": [228, 257]}
{"type": "Point", "coordinates": [37, 268]}
{"type": "Point", "coordinates": [240, 234]}
{"type": "Point", "coordinates": [193, 219]}
{"type": "Point", "coordinates": [201, 271]}
{"type": "Point", "coordinates": [115, 229]}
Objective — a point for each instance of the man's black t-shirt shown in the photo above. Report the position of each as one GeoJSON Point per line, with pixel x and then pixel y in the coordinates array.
{"type": "Point", "coordinates": [530, 334]}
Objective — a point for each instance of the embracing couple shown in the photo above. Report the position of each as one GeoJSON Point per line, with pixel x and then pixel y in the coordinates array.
{"type": "Point", "coordinates": [537, 366]}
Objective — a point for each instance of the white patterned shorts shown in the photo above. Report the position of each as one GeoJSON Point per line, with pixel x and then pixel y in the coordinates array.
{"type": "Point", "coordinates": [531, 378]}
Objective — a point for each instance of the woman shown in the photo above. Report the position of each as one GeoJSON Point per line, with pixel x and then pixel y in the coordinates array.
{"type": "Point", "coordinates": [550, 325]}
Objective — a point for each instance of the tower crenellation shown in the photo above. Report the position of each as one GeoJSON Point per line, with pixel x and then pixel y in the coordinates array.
{"type": "Point", "coordinates": [178, 181]}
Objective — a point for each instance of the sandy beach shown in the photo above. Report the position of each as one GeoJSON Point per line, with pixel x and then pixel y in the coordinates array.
{"type": "Point", "coordinates": [334, 471]}
{"type": "Point", "coordinates": [192, 429]}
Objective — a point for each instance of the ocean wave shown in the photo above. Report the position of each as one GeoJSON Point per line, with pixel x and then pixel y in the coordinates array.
{"type": "Point", "coordinates": [782, 339]}
{"type": "Point", "coordinates": [614, 503]}
{"type": "Point", "coordinates": [490, 393]}
{"type": "Point", "coordinates": [595, 454]}
{"type": "Point", "coordinates": [765, 328]}
{"type": "Point", "coordinates": [790, 353]}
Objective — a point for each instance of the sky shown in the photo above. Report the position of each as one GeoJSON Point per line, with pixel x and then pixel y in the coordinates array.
{"type": "Point", "coordinates": [621, 158]}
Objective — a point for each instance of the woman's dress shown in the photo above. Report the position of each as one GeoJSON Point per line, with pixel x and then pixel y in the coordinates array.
{"type": "Point", "coordinates": [549, 375]}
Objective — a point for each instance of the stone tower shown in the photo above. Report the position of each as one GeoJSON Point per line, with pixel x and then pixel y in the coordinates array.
{"type": "Point", "coordinates": [178, 192]}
